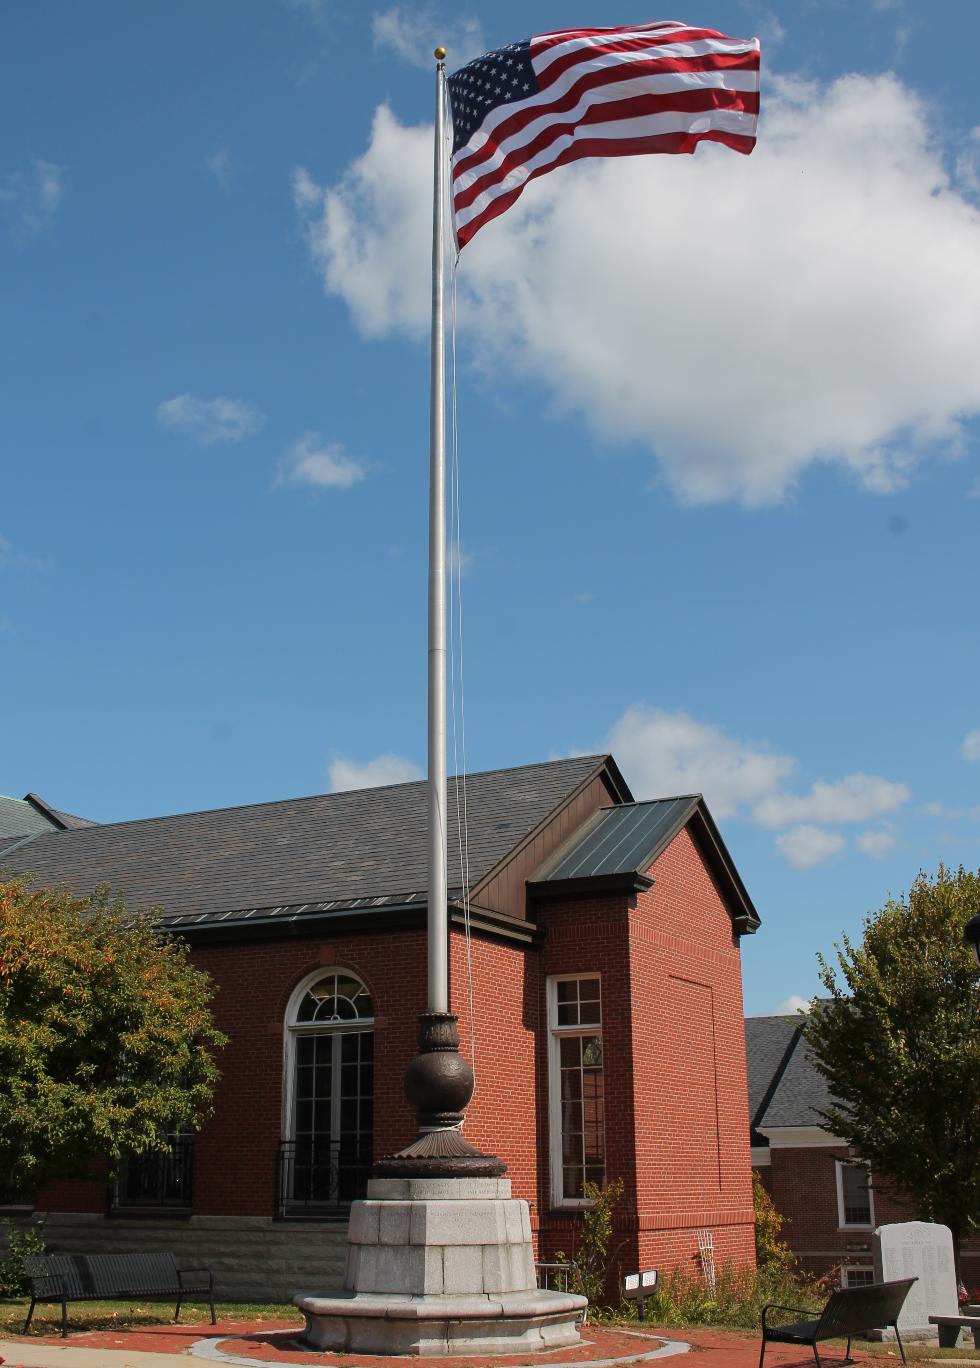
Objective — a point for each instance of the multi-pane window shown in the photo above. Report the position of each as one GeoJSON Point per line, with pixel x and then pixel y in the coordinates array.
{"type": "Point", "coordinates": [853, 1194]}
{"type": "Point", "coordinates": [578, 1142]}
{"type": "Point", "coordinates": [857, 1277]}
{"type": "Point", "coordinates": [327, 1158]}
{"type": "Point", "coordinates": [158, 1177]}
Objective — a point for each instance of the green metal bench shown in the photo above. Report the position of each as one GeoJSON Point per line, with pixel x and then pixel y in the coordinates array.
{"type": "Point", "coordinates": [66, 1278]}
{"type": "Point", "coordinates": [851, 1311]}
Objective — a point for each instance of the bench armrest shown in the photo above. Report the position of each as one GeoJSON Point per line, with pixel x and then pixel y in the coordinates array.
{"type": "Point", "coordinates": [182, 1271]}
{"type": "Point", "coordinates": [774, 1306]}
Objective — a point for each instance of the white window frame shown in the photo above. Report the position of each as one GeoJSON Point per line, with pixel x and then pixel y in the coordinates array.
{"type": "Point", "coordinates": [555, 1034]}
{"type": "Point", "coordinates": [839, 1166]}
{"type": "Point", "coordinates": [855, 1268]}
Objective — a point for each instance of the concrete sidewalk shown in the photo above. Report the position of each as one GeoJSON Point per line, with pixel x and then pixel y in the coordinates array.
{"type": "Point", "coordinates": [42, 1355]}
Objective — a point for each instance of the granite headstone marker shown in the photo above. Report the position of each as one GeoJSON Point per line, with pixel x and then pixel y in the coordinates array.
{"type": "Point", "coordinates": [918, 1249]}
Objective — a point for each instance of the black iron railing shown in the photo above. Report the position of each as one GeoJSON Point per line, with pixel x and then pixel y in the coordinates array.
{"type": "Point", "coordinates": [319, 1177]}
{"type": "Point", "coordinates": [159, 1178]}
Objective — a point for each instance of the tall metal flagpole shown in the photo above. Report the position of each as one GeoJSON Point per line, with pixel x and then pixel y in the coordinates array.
{"type": "Point", "coordinates": [439, 1080]}
{"type": "Point", "coordinates": [438, 930]}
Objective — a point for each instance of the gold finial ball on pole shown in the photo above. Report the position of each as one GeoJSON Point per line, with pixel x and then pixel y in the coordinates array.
{"type": "Point", "coordinates": [440, 54]}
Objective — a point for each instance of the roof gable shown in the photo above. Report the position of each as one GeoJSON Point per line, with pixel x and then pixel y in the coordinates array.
{"type": "Point", "coordinates": [619, 844]}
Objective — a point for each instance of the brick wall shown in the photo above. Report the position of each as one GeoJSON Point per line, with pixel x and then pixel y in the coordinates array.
{"type": "Point", "coordinates": [589, 936]}
{"type": "Point", "coordinates": [676, 1110]}
{"type": "Point", "coordinates": [502, 1118]}
{"type": "Point", "coordinates": [693, 1159]}
{"type": "Point", "coordinates": [676, 1093]}
{"type": "Point", "coordinates": [803, 1185]}
{"type": "Point", "coordinates": [236, 1153]}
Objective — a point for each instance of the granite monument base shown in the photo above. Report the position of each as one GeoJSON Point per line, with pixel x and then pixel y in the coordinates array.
{"type": "Point", "coordinates": [440, 1266]}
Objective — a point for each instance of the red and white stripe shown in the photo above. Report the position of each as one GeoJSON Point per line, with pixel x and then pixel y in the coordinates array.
{"type": "Point", "coordinates": [608, 92]}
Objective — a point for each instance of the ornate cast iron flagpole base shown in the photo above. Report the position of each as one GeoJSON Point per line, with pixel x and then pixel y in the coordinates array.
{"type": "Point", "coordinates": [439, 1084]}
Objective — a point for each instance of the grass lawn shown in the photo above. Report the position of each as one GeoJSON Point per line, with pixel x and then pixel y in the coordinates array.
{"type": "Point", "coordinates": [120, 1315]}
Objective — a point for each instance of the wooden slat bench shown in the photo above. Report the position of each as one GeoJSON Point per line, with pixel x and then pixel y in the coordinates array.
{"type": "Point", "coordinates": [950, 1326]}
{"type": "Point", "coordinates": [851, 1311]}
{"type": "Point", "coordinates": [66, 1278]}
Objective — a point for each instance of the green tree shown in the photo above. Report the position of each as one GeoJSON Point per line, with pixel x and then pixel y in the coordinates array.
{"type": "Point", "coordinates": [106, 1035]}
{"type": "Point", "coordinates": [898, 1041]}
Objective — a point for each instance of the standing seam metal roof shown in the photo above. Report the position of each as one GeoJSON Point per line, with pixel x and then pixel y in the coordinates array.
{"type": "Point", "coordinates": [622, 839]}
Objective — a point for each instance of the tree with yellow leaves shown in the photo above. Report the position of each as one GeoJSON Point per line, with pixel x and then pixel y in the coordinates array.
{"type": "Point", "coordinates": [107, 1038]}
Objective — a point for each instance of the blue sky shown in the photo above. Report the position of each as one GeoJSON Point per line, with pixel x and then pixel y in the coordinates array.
{"type": "Point", "coordinates": [718, 434]}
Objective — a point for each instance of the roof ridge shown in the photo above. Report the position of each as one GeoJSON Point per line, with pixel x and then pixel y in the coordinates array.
{"type": "Point", "coordinates": [312, 797]}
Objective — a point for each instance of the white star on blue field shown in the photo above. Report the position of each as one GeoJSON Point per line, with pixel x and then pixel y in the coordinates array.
{"type": "Point", "coordinates": [718, 432]}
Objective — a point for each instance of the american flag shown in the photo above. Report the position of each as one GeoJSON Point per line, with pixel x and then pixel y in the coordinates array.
{"type": "Point", "coordinates": [526, 108]}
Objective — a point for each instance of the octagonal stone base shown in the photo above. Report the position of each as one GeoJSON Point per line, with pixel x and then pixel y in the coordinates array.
{"type": "Point", "coordinates": [386, 1323]}
{"type": "Point", "coordinates": [440, 1266]}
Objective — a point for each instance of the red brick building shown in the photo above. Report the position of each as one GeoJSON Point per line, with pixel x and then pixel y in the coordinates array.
{"type": "Point", "coordinates": [606, 1025]}
{"type": "Point", "coordinates": [828, 1196]}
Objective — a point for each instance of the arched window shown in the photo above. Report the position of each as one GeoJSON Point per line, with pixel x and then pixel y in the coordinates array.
{"type": "Point", "coordinates": [327, 1153]}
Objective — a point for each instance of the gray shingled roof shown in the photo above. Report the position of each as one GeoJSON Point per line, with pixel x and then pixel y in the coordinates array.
{"type": "Point", "coordinates": [768, 1043]}
{"type": "Point", "coordinates": [72, 821]}
{"type": "Point", "coordinates": [801, 1094]}
{"type": "Point", "coordinates": [785, 1086]}
{"type": "Point", "coordinates": [19, 818]}
{"type": "Point", "coordinates": [337, 847]}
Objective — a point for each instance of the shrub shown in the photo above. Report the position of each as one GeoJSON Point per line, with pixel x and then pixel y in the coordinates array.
{"type": "Point", "coordinates": [13, 1278]}
{"type": "Point", "coordinates": [592, 1259]}
{"type": "Point", "coordinates": [683, 1297]}
{"type": "Point", "coordinates": [770, 1250]}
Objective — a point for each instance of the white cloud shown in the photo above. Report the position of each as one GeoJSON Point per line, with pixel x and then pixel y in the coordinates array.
{"type": "Point", "coordinates": [768, 27]}
{"type": "Point", "coordinates": [793, 1004]}
{"type": "Point", "coordinates": [816, 302]}
{"type": "Point", "coordinates": [805, 846]}
{"type": "Point", "coordinates": [855, 798]}
{"type": "Point", "coordinates": [383, 769]}
{"type": "Point", "coordinates": [877, 844]}
{"type": "Point", "coordinates": [367, 236]}
{"type": "Point", "coordinates": [220, 166]}
{"type": "Point", "coordinates": [670, 753]}
{"type": "Point", "coordinates": [210, 420]}
{"type": "Point", "coordinates": [312, 461]}
{"type": "Point", "coordinates": [12, 559]}
{"type": "Point", "coordinates": [664, 753]}
{"type": "Point", "coordinates": [971, 746]}
{"type": "Point", "coordinates": [413, 33]}
{"type": "Point", "coordinates": [31, 199]}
